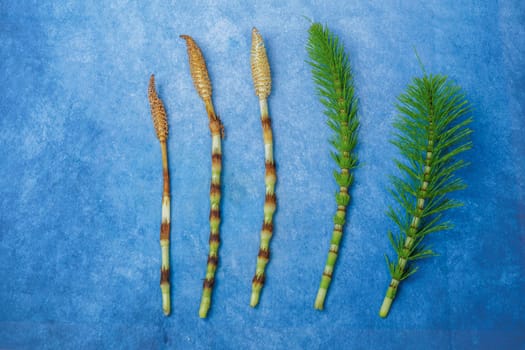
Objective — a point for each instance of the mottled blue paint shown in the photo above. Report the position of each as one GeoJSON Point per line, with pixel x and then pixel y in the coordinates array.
{"type": "Point", "coordinates": [80, 177]}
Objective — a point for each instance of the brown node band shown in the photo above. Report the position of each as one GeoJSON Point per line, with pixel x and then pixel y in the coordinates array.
{"type": "Point", "coordinates": [270, 198]}
{"type": "Point", "coordinates": [209, 282]}
{"type": "Point", "coordinates": [164, 275]}
{"type": "Point", "coordinates": [267, 226]}
{"type": "Point", "coordinates": [216, 158]}
{"type": "Point", "coordinates": [213, 260]}
{"type": "Point", "coordinates": [215, 214]}
{"type": "Point", "coordinates": [266, 123]}
{"type": "Point", "coordinates": [264, 253]}
{"type": "Point", "coordinates": [165, 230]}
{"type": "Point", "coordinates": [258, 279]}
{"type": "Point", "coordinates": [329, 275]}
{"type": "Point", "coordinates": [216, 126]}
{"type": "Point", "coordinates": [270, 168]}
{"type": "Point", "coordinates": [214, 237]}
{"type": "Point", "coordinates": [215, 189]}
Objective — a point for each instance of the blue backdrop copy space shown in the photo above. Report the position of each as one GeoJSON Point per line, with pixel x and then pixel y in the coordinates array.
{"type": "Point", "coordinates": [80, 177]}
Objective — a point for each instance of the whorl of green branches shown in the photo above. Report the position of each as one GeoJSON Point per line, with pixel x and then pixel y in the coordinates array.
{"type": "Point", "coordinates": [431, 131]}
{"type": "Point", "coordinates": [333, 78]}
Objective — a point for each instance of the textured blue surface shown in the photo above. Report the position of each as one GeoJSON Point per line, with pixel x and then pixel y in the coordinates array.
{"type": "Point", "coordinates": [80, 177]}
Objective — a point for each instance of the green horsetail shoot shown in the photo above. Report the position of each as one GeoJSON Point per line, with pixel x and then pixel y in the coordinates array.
{"type": "Point", "coordinates": [333, 77]}
{"type": "Point", "coordinates": [431, 132]}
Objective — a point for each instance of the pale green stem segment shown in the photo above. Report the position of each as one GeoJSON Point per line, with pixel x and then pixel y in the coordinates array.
{"type": "Point", "coordinates": [337, 233]}
{"type": "Point", "coordinates": [414, 226]}
{"type": "Point", "coordinates": [269, 205]}
{"type": "Point", "coordinates": [165, 233]}
{"type": "Point", "coordinates": [215, 214]}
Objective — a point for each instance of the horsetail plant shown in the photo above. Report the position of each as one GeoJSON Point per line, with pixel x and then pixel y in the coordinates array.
{"type": "Point", "coordinates": [432, 131]}
{"type": "Point", "coordinates": [262, 82]}
{"type": "Point", "coordinates": [333, 77]}
{"type": "Point", "coordinates": [160, 121]}
{"type": "Point", "coordinates": [202, 84]}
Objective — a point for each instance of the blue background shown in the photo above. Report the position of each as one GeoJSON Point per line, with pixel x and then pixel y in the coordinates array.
{"type": "Point", "coordinates": [80, 177]}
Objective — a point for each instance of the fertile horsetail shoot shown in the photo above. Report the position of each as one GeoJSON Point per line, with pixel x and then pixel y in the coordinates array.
{"type": "Point", "coordinates": [262, 82]}
{"type": "Point", "coordinates": [202, 84]}
{"type": "Point", "coordinates": [160, 121]}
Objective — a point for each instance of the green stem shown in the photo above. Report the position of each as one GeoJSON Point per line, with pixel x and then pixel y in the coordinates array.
{"type": "Point", "coordinates": [333, 77]}
{"type": "Point", "coordinates": [342, 199]}
{"type": "Point", "coordinates": [337, 233]}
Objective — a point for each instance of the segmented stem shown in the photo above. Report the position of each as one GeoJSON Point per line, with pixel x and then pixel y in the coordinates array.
{"type": "Point", "coordinates": [416, 219]}
{"type": "Point", "coordinates": [165, 233]}
{"type": "Point", "coordinates": [160, 121]}
{"type": "Point", "coordinates": [262, 83]}
{"type": "Point", "coordinates": [335, 241]}
{"type": "Point", "coordinates": [202, 84]}
{"type": "Point", "coordinates": [215, 215]}
{"type": "Point", "coordinates": [333, 77]}
{"type": "Point", "coordinates": [432, 130]}
{"type": "Point", "coordinates": [270, 202]}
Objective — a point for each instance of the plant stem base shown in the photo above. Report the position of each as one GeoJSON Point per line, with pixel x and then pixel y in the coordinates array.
{"type": "Point", "coordinates": [385, 307]}
{"type": "Point", "coordinates": [254, 300]}
{"type": "Point", "coordinates": [205, 306]}
{"type": "Point", "coordinates": [319, 300]}
{"type": "Point", "coordinates": [389, 298]}
{"type": "Point", "coordinates": [166, 307]}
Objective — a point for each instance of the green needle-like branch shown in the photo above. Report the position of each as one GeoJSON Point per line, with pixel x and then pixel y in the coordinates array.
{"type": "Point", "coordinates": [432, 131]}
{"type": "Point", "coordinates": [333, 77]}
